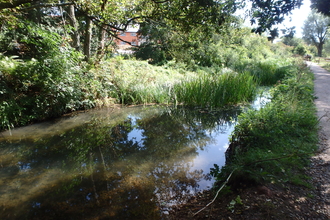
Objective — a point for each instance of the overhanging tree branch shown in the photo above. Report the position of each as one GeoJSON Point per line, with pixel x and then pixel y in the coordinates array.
{"type": "Point", "coordinates": [14, 3]}
{"type": "Point", "coordinates": [18, 3]}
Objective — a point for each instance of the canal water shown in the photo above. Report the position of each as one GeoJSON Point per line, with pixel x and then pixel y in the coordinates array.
{"type": "Point", "coordinates": [113, 163]}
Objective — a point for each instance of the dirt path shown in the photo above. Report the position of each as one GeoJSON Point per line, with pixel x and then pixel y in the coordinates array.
{"type": "Point", "coordinates": [321, 162]}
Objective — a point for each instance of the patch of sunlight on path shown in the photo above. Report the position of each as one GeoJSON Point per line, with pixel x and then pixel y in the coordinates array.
{"type": "Point", "coordinates": [320, 167]}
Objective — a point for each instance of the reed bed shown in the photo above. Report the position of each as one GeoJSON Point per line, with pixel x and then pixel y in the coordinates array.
{"type": "Point", "coordinates": [216, 90]}
{"type": "Point", "coordinates": [137, 82]}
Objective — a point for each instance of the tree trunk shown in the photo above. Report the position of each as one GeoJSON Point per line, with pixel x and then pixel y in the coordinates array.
{"type": "Point", "coordinates": [102, 38]}
{"type": "Point", "coordinates": [88, 39]}
{"type": "Point", "coordinates": [319, 49]}
{"type": "Point", "coordinates": [75, 33]}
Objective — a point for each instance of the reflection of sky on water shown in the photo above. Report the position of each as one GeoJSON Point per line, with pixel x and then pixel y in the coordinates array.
{"type": "Point", "coordinates": [214, 153]}
{"type": "Point", "coordinates": [111, 157]}
{"type": "Point", "coordinates": [261, 101]}
{"type": "Point", "coordinates": [136, 133]}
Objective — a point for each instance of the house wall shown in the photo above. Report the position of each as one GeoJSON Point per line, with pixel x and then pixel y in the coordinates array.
{"type": "Point", "coordinates": [128, 36]}
{"type": "Point", "coordinates": [131, 35]}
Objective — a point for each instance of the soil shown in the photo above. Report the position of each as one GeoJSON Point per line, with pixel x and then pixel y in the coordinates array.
{"type": "Point", "coordinates": [273, 201]}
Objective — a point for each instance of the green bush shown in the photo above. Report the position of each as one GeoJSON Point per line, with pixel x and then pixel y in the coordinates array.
{"type": "Point", "coordinates": [268, 72]}
{"type": "Point", "coordinates": [47, 87]}
{"type": "Point", "coordinates": [300, 49]}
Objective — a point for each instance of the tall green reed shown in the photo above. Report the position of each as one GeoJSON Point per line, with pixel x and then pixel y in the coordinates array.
{"type": "Point", "coordinates": [137, 82]}
{"type": "Point", "coordinates": [216, 90]}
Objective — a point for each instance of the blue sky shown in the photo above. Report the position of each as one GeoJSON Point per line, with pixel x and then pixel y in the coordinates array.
{"type": "Point", "coordinates": [298, 17]}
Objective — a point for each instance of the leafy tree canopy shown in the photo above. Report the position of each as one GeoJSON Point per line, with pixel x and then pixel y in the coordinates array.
{"type": "Point", "coordinates": [184, 14]}
{"type": "Point", "coordinates": [193, 20]}
{"type": "Point", "coordinates": [322, 6]}
{"type": "Point", "coordinates": [267, 13]}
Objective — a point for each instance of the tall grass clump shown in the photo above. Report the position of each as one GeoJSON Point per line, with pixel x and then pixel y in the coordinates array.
{"type": "Point", "coordinates": [274, 143]}
{"type": "Point", "coordinates": [137, 82]}
{"type": "Point", "coordinates": [216, 90]}
{"type": "Point", "coordinates": [266, 72]}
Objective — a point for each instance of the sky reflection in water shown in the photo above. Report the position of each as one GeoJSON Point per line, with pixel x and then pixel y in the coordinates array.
{"type": "Point", "coordinates": [126, 163]}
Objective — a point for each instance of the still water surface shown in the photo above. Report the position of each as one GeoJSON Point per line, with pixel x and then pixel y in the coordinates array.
{"type": "Point", "coordinates": [128, 163]}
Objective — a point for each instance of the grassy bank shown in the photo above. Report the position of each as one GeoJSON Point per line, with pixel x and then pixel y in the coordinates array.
{"type": "Point", "coordinates": [35, 90]}
{"type": "Point", "coordinates": [275, 143]}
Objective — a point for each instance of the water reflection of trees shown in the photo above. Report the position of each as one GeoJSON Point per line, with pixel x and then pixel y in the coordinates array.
{"type": "Point", "coordinates": [105, 174]}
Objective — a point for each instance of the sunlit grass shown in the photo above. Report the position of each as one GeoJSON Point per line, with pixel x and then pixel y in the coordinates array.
{"type": "Point", "coordinates": [273, 144]}
{"type": "Point", "coordinates": [323, 62]}
{"type": "Point", "coordinates": [137, 82]}
{"type": "Point", "coordinates": [267, 72]}
{"type": "Point", "coordinates": [216, 90]}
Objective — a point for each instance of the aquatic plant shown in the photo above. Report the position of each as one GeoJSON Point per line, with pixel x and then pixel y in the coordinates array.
{"type": "Point", "coordinates": [216, 90]}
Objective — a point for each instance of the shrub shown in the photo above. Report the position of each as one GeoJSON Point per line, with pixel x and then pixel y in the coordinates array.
{"type": "Point", "coordinates": [55, 83]}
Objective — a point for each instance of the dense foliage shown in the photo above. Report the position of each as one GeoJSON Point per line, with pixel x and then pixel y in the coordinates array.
{"type": "Point", "coordinates": [322, 6]}
{"type": "Point", "coordinates": [50, 84]}
{"type": "Point", "coordinates": [79, 19]}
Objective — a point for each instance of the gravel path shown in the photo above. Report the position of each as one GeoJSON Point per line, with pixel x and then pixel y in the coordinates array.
{"type": "Point", "coordinates": [321, 162]}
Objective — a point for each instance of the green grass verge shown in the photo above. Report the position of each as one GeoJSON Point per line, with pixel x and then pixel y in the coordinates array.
{"type": "Point", "coordinates": [275, 143]}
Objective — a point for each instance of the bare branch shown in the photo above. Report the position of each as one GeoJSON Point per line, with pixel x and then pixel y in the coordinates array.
{"type": "Point", "coordinates": [159, 2]}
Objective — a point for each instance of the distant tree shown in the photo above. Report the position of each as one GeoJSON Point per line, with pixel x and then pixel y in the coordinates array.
{"type": "Point", "coordinates": [289, 38]}
{"type": "Point", "coordinates": [315, 30]}
{"type": "Point", "coordinates": [322, 6]}
{"type": "Point", "coordinates": [155, 47]}
{"type": "Point", "coordinates": [293, 42]}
